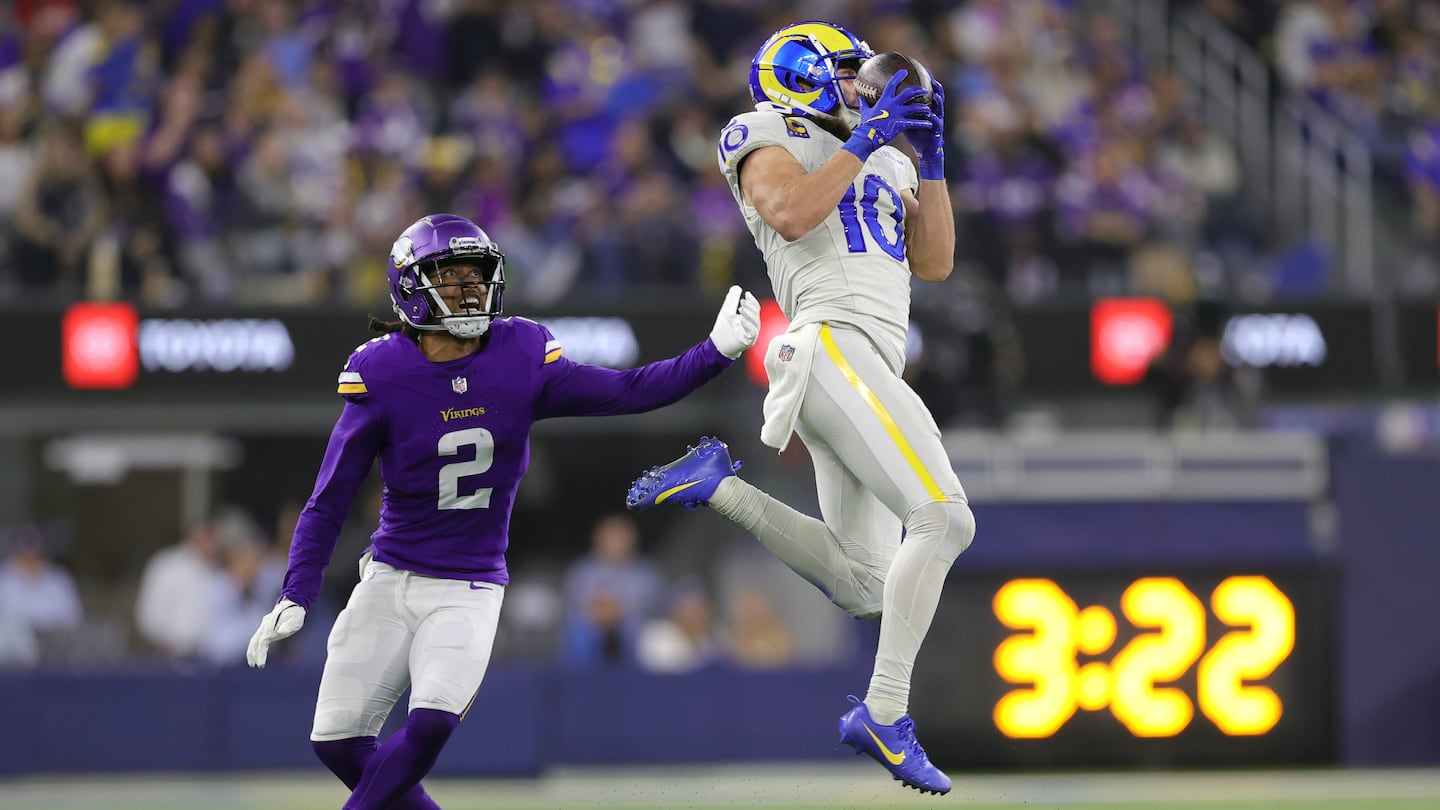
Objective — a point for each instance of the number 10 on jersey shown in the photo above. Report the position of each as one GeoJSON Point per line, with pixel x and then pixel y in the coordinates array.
{"type": "Point", "coordinates": [867, 209]}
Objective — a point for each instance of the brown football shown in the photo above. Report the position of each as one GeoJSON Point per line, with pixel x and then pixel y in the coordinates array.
{"type": "Point", "coordinates": [877, 70]}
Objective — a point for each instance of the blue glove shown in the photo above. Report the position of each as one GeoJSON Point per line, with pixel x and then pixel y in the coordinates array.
{"type": "Point", "coordinates": [929, 144]}
{"type": "Point", "coordinates": [891, 115]}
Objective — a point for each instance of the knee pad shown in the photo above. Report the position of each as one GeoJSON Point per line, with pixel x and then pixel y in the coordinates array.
{"type": "Point", "coordinates": [950, 525]}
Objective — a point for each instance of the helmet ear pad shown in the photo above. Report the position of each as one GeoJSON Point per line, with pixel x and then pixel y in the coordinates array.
{"type": "Point", "coordinates": [411, 303]}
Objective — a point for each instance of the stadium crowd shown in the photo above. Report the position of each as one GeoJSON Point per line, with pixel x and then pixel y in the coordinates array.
{"type": "Point", "coordinates": [264, 151]}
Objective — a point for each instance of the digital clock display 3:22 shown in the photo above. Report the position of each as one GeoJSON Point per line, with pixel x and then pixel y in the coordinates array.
{"type": "Point", "coordinates": [1136, 684]}
{"type": "Point", "coordinates": [1126, 667]}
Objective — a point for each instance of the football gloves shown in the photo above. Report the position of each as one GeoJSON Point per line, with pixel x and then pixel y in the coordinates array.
{"type": "Point", "coordinates": [892, 114]}
{"type": "Point", "coordinates": [738, 324]}
{"type": "Point", "coordinates": [929, 144]}
{"type": "Point", "coordinates": [282, 622]}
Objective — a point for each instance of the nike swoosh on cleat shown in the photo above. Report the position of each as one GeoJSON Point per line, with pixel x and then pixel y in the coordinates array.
{"type": "Point", "coordinates": [895, 759]}
{"type": "Point", "coordinates": [671, 491]}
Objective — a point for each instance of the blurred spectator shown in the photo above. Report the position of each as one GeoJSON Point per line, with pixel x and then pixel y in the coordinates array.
{"type": "Point", "coordinates": [180, 588]}
{"type": "Point", "coordinates": [59, 213]}
{"type": "Point", "coordinates": [19, 648]}
{"type": "Point", "coordinates": [247, 585]}
{"type": "Point", "coordinates": [1105, 205]}
{"type": "Point", "coordinates": [1422, 175]}
{"type": "Point", "coordinates": [17, 158]}
{"type": "Point", "coordinates": [1423, 172]}
{"type": "Point", "coordinates": [1205, 164]}
{"type": "Point", "coordinates": [130, 255]}
{"type": "Point", "coordinates": [609, 593]}
{"type": "Point", "coordinates": [761, 639]}
{"type": "Point", "coordinates": [1195, 387]}
{"type": "Point", "coordinates": [1007, 205]}
{"type": "Point", "coordinates": [685, 640]}
{"type": "Point", "coordinates": [37, 598]}
{"type": "Point", "coordinates": [597, 633]}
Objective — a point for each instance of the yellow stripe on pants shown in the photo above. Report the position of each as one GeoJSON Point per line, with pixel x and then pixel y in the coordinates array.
{"type": "Point", "coordinates": [879, 408]}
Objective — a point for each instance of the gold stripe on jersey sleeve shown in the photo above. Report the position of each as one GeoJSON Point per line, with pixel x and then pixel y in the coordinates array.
{"type": "Point", "coordinates": [879, 408]}
{"type": "Point", "coordinates": [351, 388]}
{"type": "Point", "coordinates": [552, 356]}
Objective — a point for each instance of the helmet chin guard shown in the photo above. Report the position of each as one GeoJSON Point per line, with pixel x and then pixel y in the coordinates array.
{"type": "Point", "coordinates": [418, 266]}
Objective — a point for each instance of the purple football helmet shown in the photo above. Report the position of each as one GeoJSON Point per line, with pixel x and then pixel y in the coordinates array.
{"type": "Point", "coordinates": [417, 261]}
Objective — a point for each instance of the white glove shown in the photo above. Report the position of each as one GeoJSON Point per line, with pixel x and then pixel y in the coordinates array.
{"type": "Point", "coordinates": [283, 622]}
{"type": "Point", "coordinates": [738, 323]}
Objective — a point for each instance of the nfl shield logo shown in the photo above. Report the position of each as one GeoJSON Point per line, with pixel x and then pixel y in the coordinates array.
{"type": "Point", "coordinates": [787, 352]}
{"type": "Point", "coordinates": [459, 385]}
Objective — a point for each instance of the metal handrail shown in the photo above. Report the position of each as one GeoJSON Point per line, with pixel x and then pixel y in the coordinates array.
{"type": "Point", "coordinates": [1310, 174]}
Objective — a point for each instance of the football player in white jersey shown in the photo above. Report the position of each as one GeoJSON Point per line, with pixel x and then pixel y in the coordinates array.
{"type": "Point", "coordinates": [844, 219]}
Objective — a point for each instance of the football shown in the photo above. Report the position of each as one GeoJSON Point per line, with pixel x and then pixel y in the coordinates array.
{"type": "Point", "coordinates": [877, 70]}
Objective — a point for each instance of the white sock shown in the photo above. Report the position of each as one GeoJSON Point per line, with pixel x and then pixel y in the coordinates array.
{"type": "Point", "coordinates": [802, 542]}
{"type": "Point", "coordinates": [935, 535]}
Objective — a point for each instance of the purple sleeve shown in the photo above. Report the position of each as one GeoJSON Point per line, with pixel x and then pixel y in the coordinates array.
{"type": "Point", "coordinates": [354, 443]}
{"type": "Point", "coordinates": [575, 389]}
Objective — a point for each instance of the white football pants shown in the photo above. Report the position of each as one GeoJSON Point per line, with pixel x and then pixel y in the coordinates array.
{"type": "Point", "coordinates": [403, 629]}
{"type": "Point", "coordinates": [880, 465]}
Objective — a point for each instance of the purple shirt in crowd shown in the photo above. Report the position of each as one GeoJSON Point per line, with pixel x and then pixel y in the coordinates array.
{"type": "Point", "coordinates": [453, 440]}
{"type": "Point", "coordinates": [1422, 158]}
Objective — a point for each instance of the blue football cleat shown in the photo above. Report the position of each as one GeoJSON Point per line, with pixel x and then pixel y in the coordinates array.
{"type": "Point", "coordinates": [689, 480]}
{"type": "Point", "coordinates": [895, 747]}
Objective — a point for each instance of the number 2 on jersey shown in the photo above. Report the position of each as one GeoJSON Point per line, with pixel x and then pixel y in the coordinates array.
{"type": "Point", "coordinates": [450, 474]}
{"type": "Point", "coordinates": [850, 218]}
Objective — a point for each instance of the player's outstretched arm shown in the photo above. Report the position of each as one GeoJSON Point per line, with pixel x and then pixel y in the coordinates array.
{"type": "Point", "coordinates": [576, 389]}
{"type": "Point", "coordinates": [354, 442]}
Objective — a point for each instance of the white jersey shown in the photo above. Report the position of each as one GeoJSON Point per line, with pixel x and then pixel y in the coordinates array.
{"type": "Point", "coordinates": [851, 268]}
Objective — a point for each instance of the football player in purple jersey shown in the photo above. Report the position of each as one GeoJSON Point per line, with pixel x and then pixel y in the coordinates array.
{"type": "Point", "coordinates": [445, 398]}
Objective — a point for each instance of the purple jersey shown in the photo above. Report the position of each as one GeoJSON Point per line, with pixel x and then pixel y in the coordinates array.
{"type": "Point", "coordinates": [453, 440]}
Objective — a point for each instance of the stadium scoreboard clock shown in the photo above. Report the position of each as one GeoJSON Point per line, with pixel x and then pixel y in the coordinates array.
{"type": "Point", "coordinates": [1044, 657]}
{"type": "Point", "coordinates": [1118, 669]}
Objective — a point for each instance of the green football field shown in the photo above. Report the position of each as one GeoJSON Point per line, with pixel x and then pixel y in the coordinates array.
{"type": "Point", "coordinates": [795, 787]}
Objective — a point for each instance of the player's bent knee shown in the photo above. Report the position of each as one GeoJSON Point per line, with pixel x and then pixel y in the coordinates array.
{"type": "Point", "coordinates": [951, 524]}
{"type": "Point", "coordinates": [870, 601]}
{"type": "Point", "coordinates": [863, 596]}
{"type": "Point", "coordinates": [341, 725]}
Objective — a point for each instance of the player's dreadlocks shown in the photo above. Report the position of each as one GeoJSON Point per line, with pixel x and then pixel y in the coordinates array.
{"type": "Point", "coordinates": [391, 327]}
